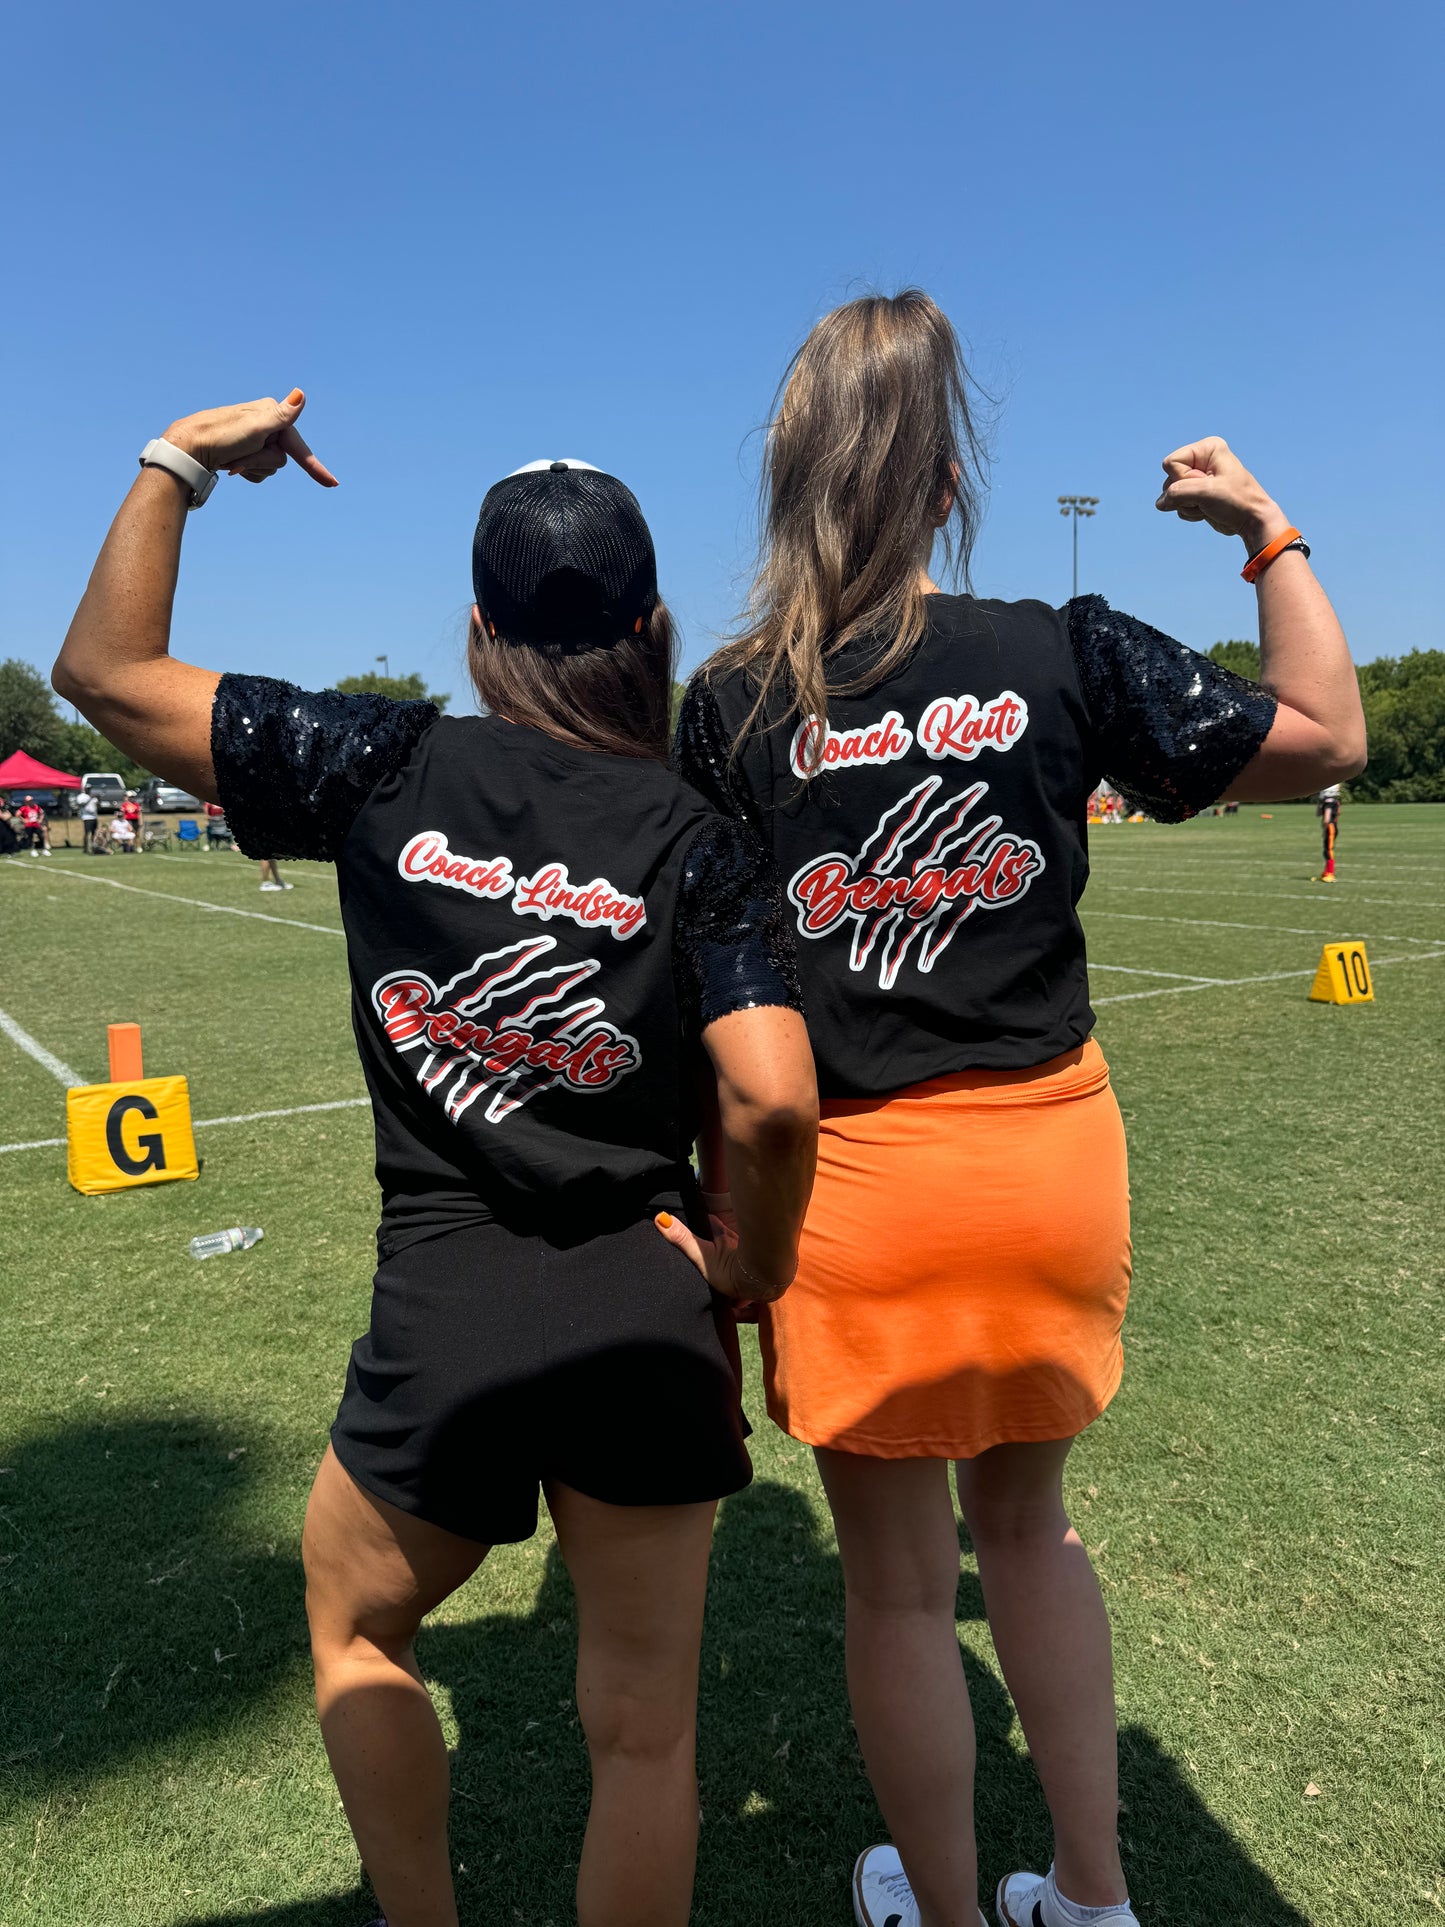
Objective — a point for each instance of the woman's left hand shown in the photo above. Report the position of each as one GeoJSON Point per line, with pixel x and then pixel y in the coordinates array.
{"type": "Point", "coordinates": [717, 1259]}
{"type": "Point", "coordinates": [253, 439]}
{"type": "Point", "coordinates": [1207, 482]}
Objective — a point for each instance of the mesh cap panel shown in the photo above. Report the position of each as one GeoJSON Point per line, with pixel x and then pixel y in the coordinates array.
{"type": "Point", "coordinates": [562, 554]}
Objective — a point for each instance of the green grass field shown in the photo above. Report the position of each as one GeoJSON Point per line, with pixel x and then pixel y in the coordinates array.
{"type": "Point", "coordinates": [1263, 1499]}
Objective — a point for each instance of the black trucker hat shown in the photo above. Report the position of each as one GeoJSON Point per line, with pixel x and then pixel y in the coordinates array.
{"type": "Point", "coordinates": [562, 554]}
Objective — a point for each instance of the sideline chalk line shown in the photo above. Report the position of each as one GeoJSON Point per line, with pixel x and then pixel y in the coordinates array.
{"type": "Point", "coordinates": [209, 1123]}
{"type": "Point", "coordinates": [166, 896]}
{"type": "Point", "coordinates": [57, 1066]}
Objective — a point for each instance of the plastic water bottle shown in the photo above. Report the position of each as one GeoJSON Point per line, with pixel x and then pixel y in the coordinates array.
{"type": "Point", "coordinates": [240, 1237]}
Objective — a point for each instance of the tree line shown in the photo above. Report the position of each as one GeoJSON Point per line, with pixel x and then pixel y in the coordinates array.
{"type": "Point", "coordinates": [1404, 704]}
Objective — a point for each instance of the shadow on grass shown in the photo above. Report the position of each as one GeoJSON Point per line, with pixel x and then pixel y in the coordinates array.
{"type": "Point", "coordinates": [126, 1579]}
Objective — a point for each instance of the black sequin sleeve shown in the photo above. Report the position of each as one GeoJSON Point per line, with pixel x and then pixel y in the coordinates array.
{"type": "Point", "coordinates": [704, 758]}
{"type": "Point", "coordinates": [1172, 728]}
{"type": "Point", "coordinates": [293, 768]}
{"type": "Point", "coordinates": [732, 944]}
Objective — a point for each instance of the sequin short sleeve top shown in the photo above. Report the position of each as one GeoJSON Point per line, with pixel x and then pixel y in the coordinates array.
{"type": "Point", "coordinates": [934, 863]}
{"type": "Point", "coordinates": [537, 935]}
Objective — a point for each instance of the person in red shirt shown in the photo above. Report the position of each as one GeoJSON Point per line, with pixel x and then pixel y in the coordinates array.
{"type": "Point", "coordinates": [33, 826]}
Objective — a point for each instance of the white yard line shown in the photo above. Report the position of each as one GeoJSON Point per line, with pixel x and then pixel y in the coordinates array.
{"type": "Point", "coordinates": [1329, 930]}
{"type": "Point", "coordinates": [1345, 901]}
{"type": "Point", "coordinates": [1135, 970]}
{"type": "Point", "coordinates": [294, 1110]}
{"type": "Point", "coordinates": [195, 903]}
{"type": "Point", "coordinates": [1220, 859]}
{"type": "Point", "coordinates": [209, 1123]}
{"type": "Point", "coordinates": [47, 1059]}
{"type": "Point", "coordinates": [1270, 977]}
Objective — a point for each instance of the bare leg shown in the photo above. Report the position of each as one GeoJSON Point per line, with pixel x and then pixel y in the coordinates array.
{"type": "Point", "coordinates": [640, 1574]}
{"type": "Point", "coordinates": [1051, 1634]}
{"type": "Point", "coordinates": [372, 1574]}
{"type": "Point", "coordinates": [899, 1546]}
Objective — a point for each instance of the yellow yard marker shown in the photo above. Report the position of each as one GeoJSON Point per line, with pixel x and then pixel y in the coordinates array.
{"type": "Point", "coordinates": [1343, 976]}
{"type": "Point", "coordinates": [133, 1130]}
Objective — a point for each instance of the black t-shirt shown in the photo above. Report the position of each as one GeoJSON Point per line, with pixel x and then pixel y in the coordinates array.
{"type": "Point", "coordinates": [935, 865]}
{"type": "Point", "coordinates": [525, 996]}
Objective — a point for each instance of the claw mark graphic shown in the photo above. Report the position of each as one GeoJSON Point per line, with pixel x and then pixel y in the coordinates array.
{"type": "Point", "coordinates": [503, 1027]}
{"type": "Point", "coordinates": [892, 898]}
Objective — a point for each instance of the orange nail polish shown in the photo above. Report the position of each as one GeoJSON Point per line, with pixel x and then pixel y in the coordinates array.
{"type": "Point", "coordinates": [294, 397]}
{"type": "Point", "coordinates": [664, 1220]}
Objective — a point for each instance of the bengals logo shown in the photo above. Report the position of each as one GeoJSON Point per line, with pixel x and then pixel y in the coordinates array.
{"type": "Point", "coordinates": [923, 872]}
{"type": "Point", "coordinates": [506, 1028]}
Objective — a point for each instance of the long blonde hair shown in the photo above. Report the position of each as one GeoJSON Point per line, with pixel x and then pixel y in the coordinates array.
{"type": "Point", "coordinates": [871, 452]}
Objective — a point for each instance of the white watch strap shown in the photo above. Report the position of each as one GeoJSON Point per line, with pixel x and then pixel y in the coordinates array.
{"type": "Point", "coordinates": [197, 477]}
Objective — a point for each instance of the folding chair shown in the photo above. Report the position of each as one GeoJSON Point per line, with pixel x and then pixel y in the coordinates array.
{"type": "Point", "coordinates": [188, 833]}
{"type": "Point", "coordinates": [155, 833]}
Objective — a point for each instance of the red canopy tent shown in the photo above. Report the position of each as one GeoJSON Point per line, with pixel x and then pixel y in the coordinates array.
{"type": "Point", "coordinates": [22, 772]}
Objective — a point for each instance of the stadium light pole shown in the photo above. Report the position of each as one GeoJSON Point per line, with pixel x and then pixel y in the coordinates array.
{"type": "Point", "coordinates": [386, 661]}
{"type": "Point", "coordinates": [1075, 506]}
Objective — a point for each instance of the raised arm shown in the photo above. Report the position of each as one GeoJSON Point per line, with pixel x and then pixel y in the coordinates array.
{"type": "Point", "coordinates": [115, 664]}
{"type": "Point", "coordinates": [1318, 734]}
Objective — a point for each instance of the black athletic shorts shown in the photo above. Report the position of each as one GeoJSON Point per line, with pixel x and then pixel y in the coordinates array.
{"type": "Point", "coordinates": [496, 1361]}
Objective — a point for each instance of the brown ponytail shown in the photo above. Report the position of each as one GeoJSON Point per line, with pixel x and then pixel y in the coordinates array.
{"type": "Point", "coordinates": [871, 452]}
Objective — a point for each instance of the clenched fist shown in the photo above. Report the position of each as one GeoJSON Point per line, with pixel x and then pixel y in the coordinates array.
{"type": "Point", "coordinates": [250, 438]}
{"type": "Point", "coordinates": [1207, 482]}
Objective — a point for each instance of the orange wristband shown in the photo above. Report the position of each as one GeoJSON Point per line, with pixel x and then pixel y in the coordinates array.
{"type": "Point", "coordinates": [1257, 564]}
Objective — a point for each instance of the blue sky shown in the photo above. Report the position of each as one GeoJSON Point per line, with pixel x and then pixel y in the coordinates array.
{"type": "Point", "coordinates": [476, 235]}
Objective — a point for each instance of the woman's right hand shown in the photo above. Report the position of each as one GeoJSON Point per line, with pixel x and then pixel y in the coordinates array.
{"type": "Point", "coordinates": [250, 438]}
{"type": "Point", "coordinates": [718, 1261]}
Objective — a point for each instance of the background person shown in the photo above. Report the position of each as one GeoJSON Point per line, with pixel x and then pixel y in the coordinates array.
{"type": "Point", "coordinates": [1327, 809]}
{"type": "Point", "coordinates": [33, 827]}
{"type": "Point", "coordinates": [271, 878]}
{"type": "Point", "coordinates": [9, 837]}
{"type": "Point", "coordinates": [89, 817]}
{"type": "Point", "coordinates": [543, 924]}
{"type": "Point", "coordinates": [921, 764]}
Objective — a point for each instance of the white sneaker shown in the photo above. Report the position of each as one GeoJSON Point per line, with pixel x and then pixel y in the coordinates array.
{"type": "Point", "coordinates": [882, 1896]}
{"type": "Point", "coordinates": [270, 886]}
{"type": "Point", "coordinates": [1019, 1902]}
{"type": "Point", "coordinates": [288, 886]}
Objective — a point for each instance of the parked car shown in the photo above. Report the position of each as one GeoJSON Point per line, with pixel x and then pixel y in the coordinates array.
{"type": "Point", "coordinates": [105, 786]}
{"type": "Point", "coordinates": [156, 795]}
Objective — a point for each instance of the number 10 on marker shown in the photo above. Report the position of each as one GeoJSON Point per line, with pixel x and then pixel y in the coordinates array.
{"type": "Point", "coordinates": [1343, 976]}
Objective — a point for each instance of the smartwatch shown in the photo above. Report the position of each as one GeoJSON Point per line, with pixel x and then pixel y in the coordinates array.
{"type": "Point", "coordinates": [199, 479]}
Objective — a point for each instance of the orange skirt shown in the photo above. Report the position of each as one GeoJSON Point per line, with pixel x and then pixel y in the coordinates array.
{"type": "Point", "coordinates": [964, 1267]}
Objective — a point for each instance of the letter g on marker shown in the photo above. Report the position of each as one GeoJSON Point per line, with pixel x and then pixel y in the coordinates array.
{"type": "Point", "coordinates": [150, 1142]}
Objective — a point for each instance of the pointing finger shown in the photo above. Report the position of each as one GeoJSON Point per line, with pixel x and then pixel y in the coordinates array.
{"type": "Point", "coordinates": [290, 440]}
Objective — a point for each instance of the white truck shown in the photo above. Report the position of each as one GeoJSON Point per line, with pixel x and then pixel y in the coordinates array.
{"type": "Point", "coordinates": [106, 786]}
